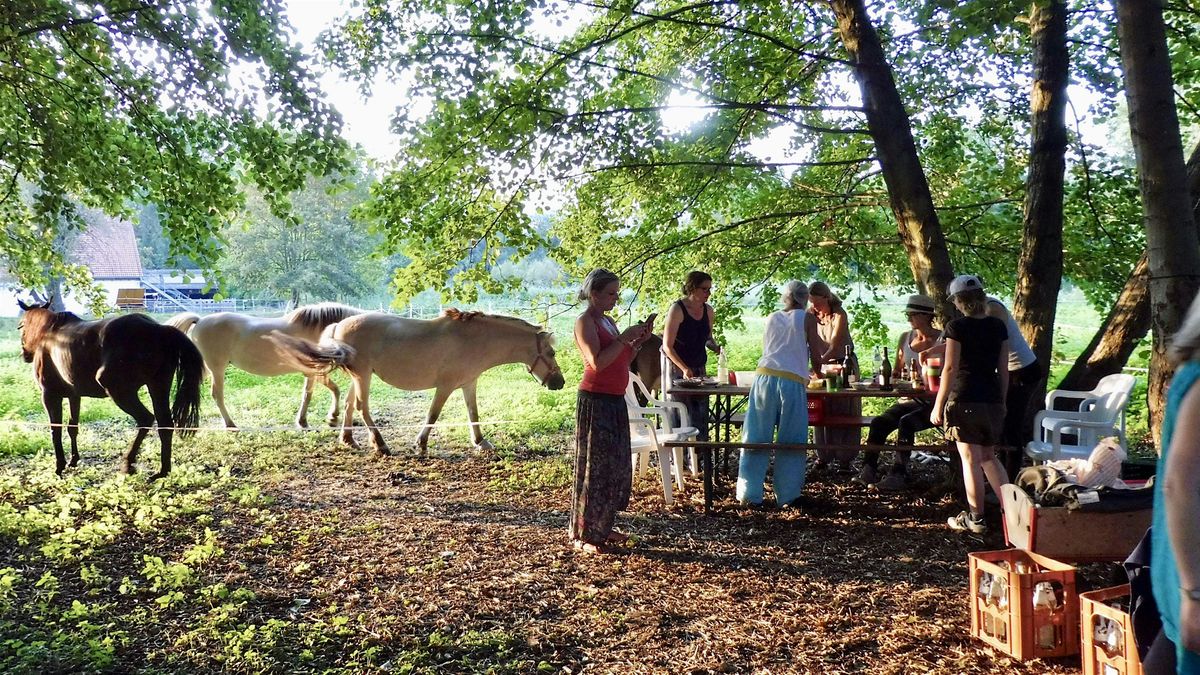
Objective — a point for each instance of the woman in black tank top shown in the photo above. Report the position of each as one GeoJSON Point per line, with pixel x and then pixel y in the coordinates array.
{"type": "Point", "coordinates": [687, 333]}
{"type": "Point", "coordinates": [689, 327]}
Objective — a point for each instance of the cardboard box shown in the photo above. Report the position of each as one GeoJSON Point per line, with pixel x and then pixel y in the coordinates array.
{"type": "Point", "coordinates": [1071, 536]}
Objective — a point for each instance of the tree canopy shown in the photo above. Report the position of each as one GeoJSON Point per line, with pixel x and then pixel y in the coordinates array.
{"type": "Point", "coordinates": [523, 105]}
{"type": "Point", "coordinates": [120, 103]}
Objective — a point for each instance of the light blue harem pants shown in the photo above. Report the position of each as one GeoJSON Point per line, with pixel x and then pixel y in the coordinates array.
{"type": "Point", "coordinates": [774, 402]}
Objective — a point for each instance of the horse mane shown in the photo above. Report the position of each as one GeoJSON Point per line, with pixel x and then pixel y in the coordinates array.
{"type": "Point", "coordinates": [46, 321]}
{"type": "Point", "coordinates": [458, 315]}
{"type": "Point", "coordinates": [321, 314]}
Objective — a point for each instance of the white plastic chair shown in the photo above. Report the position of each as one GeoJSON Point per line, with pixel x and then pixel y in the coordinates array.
{"type": "Point", "coordinates": [650, 426]}
{"type": "Point", "coordinates": [1101, 413]}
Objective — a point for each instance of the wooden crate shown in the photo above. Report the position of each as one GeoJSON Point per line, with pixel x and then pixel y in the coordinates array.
{"type": "Point", "coordinates": [1094, 607]}
{"type": "Point", "coordinates": [1013, 626]}
{"type": "Point", "coordinates": [1070, 536]}
{"type": "Point", "coordinates": [816, 410]}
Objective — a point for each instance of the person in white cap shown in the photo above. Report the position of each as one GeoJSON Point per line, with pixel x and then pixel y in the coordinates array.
{"type": "Point", "coordinates": [970, 401]}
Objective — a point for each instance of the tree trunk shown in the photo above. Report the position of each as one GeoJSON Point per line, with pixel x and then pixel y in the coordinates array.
{"type": "Point", "coordinates": [1172, 246]}
{"type": "Point", "coordinates": [1129, 319]}
{"type": "Point", "coordinates": [908, 190]}
{"type": "Point", "coordinates": [1039, 268]}
{"type": "Point", "coordinates": [1040, 265]}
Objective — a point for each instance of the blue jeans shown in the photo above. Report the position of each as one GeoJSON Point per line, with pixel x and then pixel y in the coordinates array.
{"type": "Point", "coordinates": [774, 402]}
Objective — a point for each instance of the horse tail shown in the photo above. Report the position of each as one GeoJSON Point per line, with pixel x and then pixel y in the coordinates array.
{"type": "Point", "coordinates": [189, 373]}
{"type": "Point", "coordinates": [311, 358]}
{"type": "Point", "coordinates": [184, 321]}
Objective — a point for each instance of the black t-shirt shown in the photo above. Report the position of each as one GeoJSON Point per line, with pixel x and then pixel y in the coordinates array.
{"type": "Point", "coordinates": [977, 380]}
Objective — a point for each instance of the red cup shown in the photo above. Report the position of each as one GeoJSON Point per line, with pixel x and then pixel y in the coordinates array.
{"type": "Point", "coordinates": [732, 377]}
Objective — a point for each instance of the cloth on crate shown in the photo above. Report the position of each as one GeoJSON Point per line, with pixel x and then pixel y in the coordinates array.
{"type": "Point", "coordinates": [1050, 486]}
{"type": "Point", "coordinates": [1102, 468]}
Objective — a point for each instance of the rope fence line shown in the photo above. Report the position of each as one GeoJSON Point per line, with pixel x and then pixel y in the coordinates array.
{"type": "Point", "coordinates": [436, 425]}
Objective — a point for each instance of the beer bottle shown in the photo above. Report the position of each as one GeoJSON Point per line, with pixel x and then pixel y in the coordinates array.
{"type": "Point", "coordinates": [847, 367]}
{"type": "Point", "coordinates": [885, 371]}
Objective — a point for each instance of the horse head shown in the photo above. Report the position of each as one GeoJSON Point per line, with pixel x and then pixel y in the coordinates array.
{"type": "Point", "coordinates": [35, 320]}
{"type": "Point", "coordinates": [544, 367]}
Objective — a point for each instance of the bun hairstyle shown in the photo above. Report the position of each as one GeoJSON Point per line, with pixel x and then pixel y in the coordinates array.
{"type": "Point", "coordinates": [796, 292]}
{"type": "Point", "coordinates": [820, 289]}
{"type": "Point", "coordinates": [694, 279]}
{"type": "Point", "coordinates": [596, 281]}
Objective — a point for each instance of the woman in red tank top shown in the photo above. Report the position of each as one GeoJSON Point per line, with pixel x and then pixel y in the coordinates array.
{"type": "Point", "coordinates": [603, 474]}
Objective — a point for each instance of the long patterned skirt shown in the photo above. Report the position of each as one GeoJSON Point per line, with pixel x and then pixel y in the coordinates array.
{"type": "Point", "coordinates": [603, 470]}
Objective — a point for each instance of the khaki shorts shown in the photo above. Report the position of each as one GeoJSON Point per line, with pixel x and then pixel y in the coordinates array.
{"type": "Point", "coordinates": [978, 423]}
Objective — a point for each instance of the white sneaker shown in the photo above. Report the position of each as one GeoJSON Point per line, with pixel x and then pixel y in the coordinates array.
{"type": "Point", "coordinates": [965, 521]}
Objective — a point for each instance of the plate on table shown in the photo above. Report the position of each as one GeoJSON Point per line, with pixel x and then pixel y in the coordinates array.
{"type": "Point", "coordinates": [864, 386]}
{"type": "Point", "coordinates": [693, 382]}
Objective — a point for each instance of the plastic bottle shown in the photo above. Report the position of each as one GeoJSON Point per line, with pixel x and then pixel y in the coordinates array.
{"type": "Point", "coordinates": [722, 368]}
{"type": "Point", "coordinates": [878, 359]}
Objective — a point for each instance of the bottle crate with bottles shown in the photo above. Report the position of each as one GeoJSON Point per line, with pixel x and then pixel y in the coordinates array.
{"type": "Point", "coordinates": [1024, 604]}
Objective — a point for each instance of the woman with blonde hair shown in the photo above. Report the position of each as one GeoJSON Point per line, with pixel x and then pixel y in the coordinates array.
{"type": "Point", "coordinates": [1175, 532]}
{"type": "Point", "coordinates": [603, 474]}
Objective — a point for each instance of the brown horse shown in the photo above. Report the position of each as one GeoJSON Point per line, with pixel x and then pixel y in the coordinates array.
{"type": "Point", "coordinates": [112, 358]}
{"type": "Point", "coordinates": [444, 354]}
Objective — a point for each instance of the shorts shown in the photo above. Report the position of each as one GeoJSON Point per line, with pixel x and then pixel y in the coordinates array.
{"type": "Point", "coordinates": [977, 423]}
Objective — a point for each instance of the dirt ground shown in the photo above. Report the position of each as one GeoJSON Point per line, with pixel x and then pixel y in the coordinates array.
{"type": "Point", "coordinates": [857, 581]}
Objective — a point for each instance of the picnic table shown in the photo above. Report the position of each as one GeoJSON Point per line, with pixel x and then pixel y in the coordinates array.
{"type": "Point", "coordinates": [727, 401]}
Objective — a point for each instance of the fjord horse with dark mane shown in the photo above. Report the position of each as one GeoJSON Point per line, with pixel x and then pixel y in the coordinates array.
{"type": "Point", "coordinates": [112, 358]}
{"type": "Point", "coordinates": [444, 354]}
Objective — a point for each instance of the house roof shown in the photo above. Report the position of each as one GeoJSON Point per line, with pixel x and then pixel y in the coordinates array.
{"type": "Point", "coordinates": [108, 248]}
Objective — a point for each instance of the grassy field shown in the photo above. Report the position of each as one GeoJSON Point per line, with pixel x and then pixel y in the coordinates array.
{"type": "Point", "coordinates": [275, 550]}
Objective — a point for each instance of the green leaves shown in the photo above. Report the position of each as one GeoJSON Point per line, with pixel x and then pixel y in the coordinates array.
{"type": "Point", "coordinates": [107, 105]}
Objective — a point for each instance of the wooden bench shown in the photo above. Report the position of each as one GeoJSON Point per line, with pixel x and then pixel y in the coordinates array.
{"type": "Point", "coordinates": [710, 446]}
{"type": "Point", "coordinates": [131, 298]}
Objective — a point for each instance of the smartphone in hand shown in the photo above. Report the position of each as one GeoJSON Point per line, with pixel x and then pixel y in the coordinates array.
{"type": "Point", "coordinates": [649, 322]}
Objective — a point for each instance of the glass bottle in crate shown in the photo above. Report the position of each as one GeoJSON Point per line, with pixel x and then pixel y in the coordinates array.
{"type": "Point", "coordinates": [1000, 596]}
{"type": "Point", "coordinates": [1046, 601]}
{"type": "Point", "coordinates": [985, 598]}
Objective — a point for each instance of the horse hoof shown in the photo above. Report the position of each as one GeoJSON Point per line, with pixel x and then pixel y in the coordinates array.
{"type": "Point", "coordinates": [302, 424]}
{"type": "Point", "coordinates": [160, 474]}
{"type": "Point", "coordinates": [484, 446]}
{"type": "Point", "coordinates": [332, 422]}
{"type": "Point", "coordinates": [128, 469]}
{"type": "Point", "coordinates": [74, 462]}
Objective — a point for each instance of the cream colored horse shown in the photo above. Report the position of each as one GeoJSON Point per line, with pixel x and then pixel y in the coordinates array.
{"type": "Point", "coordinates": [226, 337]}
{"type": "Point", "coordinates": [444, 354]}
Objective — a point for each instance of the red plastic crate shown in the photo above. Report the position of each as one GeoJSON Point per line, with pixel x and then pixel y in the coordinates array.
{"type": "Point", "coordinates": [1119, 657]}
{"type": "Point", "coordinates": [1011, 624]}
{"type": "Point", "coordinates": [816, 410]}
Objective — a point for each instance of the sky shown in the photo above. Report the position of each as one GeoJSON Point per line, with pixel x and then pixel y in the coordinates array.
{"type": "Point", "coordinates": [367, 119]}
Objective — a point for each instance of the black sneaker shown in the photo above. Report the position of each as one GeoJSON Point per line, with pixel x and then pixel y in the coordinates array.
{"type": "Point", "coordinates": [967, 522]}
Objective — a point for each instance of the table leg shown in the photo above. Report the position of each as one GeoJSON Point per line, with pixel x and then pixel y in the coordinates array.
{"type": "Point", "coordinates": [706, 463]}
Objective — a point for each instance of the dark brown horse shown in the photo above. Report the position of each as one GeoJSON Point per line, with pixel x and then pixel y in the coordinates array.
{"type": "Point", "coordinates": [112, 358]}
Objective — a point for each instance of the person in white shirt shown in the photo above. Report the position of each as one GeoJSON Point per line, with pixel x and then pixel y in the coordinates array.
{"type": "Point", "coordinates": [779, 401]}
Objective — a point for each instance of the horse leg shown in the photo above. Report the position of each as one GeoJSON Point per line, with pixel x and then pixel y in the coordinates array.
{"type": "Point", "coordinates": [348, 424]}
{"type": "Point", "coordinates": [73, 429]}
{"type": "Point", "coordinates": [468, 391]}
{"type": "Point", "coordinates": [435, 409]}
{"type": "Point", "coordinates": [160, 398]}
{"type": "Point", "coordinates": [333, 403]}
{"type": "Point", "coordinates": [362, 394]}
{"type": "Point", "coordinates": [53, 405]}
{"type": "Point", "coordinates": [127, 399]}
{"type": "Point", "coordinates": [218, 393]}
{"type": "Point", "coordinates": [305, 397]}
